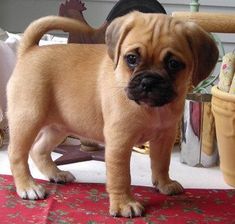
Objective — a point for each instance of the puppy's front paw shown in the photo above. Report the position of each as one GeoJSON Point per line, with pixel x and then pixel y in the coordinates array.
{"type": "Point", "coordinates": [62, 177]}
{"type": "Point", "coordinates": [170, 188]}
{"type": "Point", "coordinates": [125, 206]}
{"type": "Point", "coordinates": [32, 192]}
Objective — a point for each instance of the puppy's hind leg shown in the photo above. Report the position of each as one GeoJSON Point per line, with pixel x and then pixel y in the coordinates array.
{"type": "Point", "coordinates": [22, 134]}
{"type": "Point", "coordinates": [48, 138]}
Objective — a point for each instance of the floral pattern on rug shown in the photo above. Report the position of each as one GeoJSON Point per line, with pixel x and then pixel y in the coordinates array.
{"type": "Point", "coordinates": [88, 203]}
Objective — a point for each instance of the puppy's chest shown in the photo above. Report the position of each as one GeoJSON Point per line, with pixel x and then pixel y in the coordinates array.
{"type": "Point", "coordinates": [146, 132]}
{"type": "Point", "coordinates": [158, 122]}
{"type": "Point", "coordinates": [145, 136]}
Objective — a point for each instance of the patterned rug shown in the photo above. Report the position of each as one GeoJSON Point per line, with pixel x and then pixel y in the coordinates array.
{"type": "Point", "coordinates": [88, 203]}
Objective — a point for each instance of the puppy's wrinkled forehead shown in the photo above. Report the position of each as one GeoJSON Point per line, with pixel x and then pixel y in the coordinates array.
{"type": "Point", "coordinates": [156, 33]}
{"type": "Point", "coordinates": [153, 26]}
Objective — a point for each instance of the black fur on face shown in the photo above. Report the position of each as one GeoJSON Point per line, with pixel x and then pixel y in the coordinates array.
{"type": "Point", "coordinates": [151, 88]}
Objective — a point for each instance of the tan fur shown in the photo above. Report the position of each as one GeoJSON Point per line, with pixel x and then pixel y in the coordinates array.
{"type": "Point", "coordinates": [73, 89]}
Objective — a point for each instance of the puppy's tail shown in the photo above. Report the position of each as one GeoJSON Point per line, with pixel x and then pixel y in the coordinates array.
{"type": "Point", "coordinates": [38, 28]}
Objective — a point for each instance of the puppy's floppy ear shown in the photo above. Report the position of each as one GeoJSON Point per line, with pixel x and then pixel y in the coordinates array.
{"type": "Point", "coordinates": [204, 50]}
{"type": "Point", "coordinates": [115, 35]}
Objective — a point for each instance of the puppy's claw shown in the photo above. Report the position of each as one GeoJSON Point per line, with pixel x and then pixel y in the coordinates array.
{"type": "Point", "coordinates": [114, 214]}
{"type": "Point", "coordinates": [170, 188]}
{"type": "Point", "coordinates": [62, 177]}
{"type": "Point", "coordinates": [129, 210]}
{"type": "Point", "coordinates": [34, 193]}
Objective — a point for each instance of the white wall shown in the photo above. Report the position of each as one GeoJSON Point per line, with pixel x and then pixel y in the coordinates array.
{"type": "Point", "coordinates": [15, 15]}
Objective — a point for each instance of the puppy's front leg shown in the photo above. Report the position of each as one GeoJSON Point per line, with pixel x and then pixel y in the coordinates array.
{"type": "Point", "coordinates": [160, 153]}
{"type": "Point", "coordinates": [117, 158]}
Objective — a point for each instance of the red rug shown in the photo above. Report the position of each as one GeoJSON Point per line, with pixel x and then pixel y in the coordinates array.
{"type": "Point", "coordinates": [88, 203]}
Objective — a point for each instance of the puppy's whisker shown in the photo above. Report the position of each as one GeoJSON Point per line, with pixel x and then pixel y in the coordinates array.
{"type": "Point", "coordinates": [118, 87]}
{"type": "Point", "coordinates": [116, 91]}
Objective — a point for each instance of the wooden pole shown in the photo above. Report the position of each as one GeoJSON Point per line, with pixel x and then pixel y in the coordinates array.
{"type": "Point", "coordinates": [211, 22]}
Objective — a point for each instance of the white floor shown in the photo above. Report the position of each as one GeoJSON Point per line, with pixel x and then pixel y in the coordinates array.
{"type": "Point", "coordinates": [94, 171]}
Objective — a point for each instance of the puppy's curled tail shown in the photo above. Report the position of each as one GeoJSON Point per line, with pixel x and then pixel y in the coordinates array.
{"type": "Point", "coordinates": [39, 27]}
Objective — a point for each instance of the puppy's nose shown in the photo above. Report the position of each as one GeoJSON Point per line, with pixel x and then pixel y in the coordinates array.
{"type": "Point", "coordinates": [146, 84]}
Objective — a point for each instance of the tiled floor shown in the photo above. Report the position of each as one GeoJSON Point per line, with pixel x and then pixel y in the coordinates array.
{"type": "Point", "coordinates": [94, 171]}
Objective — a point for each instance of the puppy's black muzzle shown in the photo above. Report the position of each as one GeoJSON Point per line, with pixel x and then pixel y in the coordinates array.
{"type": "Point", "coordinates": [151, 89]}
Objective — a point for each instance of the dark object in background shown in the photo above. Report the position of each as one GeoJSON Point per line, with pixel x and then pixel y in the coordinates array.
{"type": "Point", "coordinates": [123, 7]}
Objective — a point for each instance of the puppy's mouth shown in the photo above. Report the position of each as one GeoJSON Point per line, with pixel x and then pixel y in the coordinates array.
{"type": "Point", "coordinates": [151, 89]}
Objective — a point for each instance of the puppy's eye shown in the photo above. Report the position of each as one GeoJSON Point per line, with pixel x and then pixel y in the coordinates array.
{"type": "Point", "coordinates": [174, 65]}
{"type": "Point", "coordinates": [132, 60]}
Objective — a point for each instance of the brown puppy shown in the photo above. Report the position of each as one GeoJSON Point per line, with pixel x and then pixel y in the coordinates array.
{"type": "Point", "coordinates": [129, 91]}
